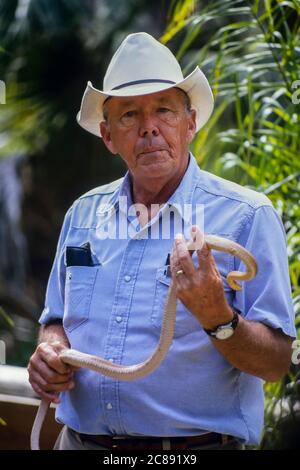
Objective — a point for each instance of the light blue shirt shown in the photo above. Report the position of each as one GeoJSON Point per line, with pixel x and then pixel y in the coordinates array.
{"type": "Point", "coordinates": [114, 309]}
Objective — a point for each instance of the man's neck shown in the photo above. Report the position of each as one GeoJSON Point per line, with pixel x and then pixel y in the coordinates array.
{"type": "Point", "coordinates": [149, 196]}
{"type": "Point", "coordinates": [152, 192]}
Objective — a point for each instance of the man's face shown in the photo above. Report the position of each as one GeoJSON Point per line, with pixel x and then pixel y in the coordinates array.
{"type": "Point", "coordinates": [151, 133]}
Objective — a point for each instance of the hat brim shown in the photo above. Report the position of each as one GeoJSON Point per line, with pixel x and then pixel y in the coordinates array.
{"type": "Point", "coordinates": [195, 85]}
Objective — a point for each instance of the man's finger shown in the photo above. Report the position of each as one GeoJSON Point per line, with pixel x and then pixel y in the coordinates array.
{"type": "Point", "coordinates": [183, 256]}
{"type": "Point", "coordinates": [46, 395]}
{"type": "Point", "coordinates": [197, 238]}
{"type": "Point", "coordinates": [48, 387]}
{"type": "Point", "coordinates": [51, 357]}
{"type": "Point", "coordinates": [204, 254]}
{"type": "Point", "coordinates": [50, 375]}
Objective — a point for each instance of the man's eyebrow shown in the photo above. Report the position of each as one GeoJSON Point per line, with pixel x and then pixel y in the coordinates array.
{"type": "Point", "coordinates": [158, 101]}
{"type": "Point", "coordinates": [126, 104]}
{"type": "Point", "coordinates": [164, 99]}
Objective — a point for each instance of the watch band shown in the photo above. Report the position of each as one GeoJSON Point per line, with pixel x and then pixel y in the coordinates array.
{"type": "Point", "coordinates": [232, 324]}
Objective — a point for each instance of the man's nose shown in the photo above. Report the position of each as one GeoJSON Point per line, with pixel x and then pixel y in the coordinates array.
{"type": "Point", "coordinates": [148, 127]}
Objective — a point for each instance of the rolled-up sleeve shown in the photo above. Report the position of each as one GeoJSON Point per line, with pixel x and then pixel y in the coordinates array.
{"type": "Point", "coordinates": [54, 301]}
{"type": "Point", "coordinates": [267, 298]}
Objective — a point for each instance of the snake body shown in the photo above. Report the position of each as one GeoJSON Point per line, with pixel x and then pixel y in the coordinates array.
{"type": "Point", "coordinates": [136, 371]}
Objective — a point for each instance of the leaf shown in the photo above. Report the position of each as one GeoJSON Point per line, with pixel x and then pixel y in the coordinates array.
{"type": "Point", "coordinates": [6, 317]}
{"type": "Point", "coordinates": [277, 185]}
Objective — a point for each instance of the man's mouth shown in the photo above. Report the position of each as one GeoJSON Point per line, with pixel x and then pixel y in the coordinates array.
{"type": "Point", "coordinates": [150, 151]}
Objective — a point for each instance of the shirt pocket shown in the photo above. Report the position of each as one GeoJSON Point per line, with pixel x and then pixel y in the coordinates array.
{"type": "Point", "coordinates": [185, 320]}
{"type": "Point", "coordinates": [79, 287]}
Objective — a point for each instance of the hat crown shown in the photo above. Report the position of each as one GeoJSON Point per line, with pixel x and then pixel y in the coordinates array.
{"type": "Point", "coordinates": [141, 57]}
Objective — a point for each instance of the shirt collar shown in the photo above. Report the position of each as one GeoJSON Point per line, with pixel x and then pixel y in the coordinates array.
{"type": "Point", "coordinates": [182, 196]}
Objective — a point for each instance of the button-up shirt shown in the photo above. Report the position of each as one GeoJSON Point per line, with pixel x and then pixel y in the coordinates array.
{"type": "Point", "coordinates": [113, 307]}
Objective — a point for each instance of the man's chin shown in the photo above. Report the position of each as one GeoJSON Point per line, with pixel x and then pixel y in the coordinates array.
{"type": "Point", "coordinates": [154, 160]}
{"type": "Point", "coordinates": [156, 168]}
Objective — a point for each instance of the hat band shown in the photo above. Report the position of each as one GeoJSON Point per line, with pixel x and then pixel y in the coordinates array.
{"type": "Point", "coordinates": [137, 82]}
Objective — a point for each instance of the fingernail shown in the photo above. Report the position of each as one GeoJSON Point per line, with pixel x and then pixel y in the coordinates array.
{"type": "Point", "coordinates": [179, 236]}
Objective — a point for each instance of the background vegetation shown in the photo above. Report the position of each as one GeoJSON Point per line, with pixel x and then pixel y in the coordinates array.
{"type": "Point", "coordinates": [48, 50]}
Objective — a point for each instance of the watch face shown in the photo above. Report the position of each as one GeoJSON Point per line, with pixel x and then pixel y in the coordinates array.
{"type": "Point", "coordinates": [224, 333]}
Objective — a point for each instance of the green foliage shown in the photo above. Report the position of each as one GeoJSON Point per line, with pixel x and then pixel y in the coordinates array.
{"type": "Point", "coordinates": [2, 422]}
{"type": "Point", "coordinates": [250, 51]}
{"type": "Point", "coordinates": [6, 317]}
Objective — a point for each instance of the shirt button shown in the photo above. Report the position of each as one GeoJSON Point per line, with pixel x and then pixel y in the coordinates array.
{"type": "Point", "coordinates": [127, 278]}
{"type": "Point", "coordinates": [119, 319]}
{"type": "Point", "coordinates": [109, 406]}
{"type": "Point", "coordinates": [69, 276]}
{"type": "Point", "coordinates": [111, 360]}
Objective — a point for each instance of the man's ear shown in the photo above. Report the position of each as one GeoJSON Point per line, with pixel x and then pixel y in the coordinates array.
{"type": "Point", "coordinates": [106, 136]}
{"type": "Point", "coordinates": [191, 126]}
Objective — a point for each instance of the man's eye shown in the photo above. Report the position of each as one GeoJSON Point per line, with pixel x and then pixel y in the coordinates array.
{"type": "Point", "coordinates": [129, 114]}
{"type": "Point", "coordinates": [163, 110]}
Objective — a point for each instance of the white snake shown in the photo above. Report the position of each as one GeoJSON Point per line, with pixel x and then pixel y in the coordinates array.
{"type": "Point", "coordinates": [136, 371]}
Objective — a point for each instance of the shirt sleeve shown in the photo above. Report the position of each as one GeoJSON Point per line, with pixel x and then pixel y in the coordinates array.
{"type": "Point", "coordinates": [54, 301]}
{"type": "Point", "coordinates": [267, 298]}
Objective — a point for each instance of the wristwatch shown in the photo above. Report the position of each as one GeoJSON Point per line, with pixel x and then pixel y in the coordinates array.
{"type": "Point", "coordinates": [225, 330]}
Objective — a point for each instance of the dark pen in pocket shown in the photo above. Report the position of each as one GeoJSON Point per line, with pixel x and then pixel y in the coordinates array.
{"type": "Point", "coordinates": [167, 270]}
{"type": "Point", "coordinates": [79, 255]}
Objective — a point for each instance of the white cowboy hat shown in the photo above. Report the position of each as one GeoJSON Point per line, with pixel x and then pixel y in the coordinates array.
{"type": "Point", "coordinates": [142, 65]}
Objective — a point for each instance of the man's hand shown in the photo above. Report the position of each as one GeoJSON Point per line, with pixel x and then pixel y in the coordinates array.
{"type": "Point", "coordinates": [200, 288]}
{"type": "Point", "coordinates": [48, 375]}
{"type": "Point", "coordinates": [254, 348]}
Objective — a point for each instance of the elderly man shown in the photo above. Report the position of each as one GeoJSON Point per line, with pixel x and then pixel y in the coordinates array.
{"type": "Point", "coordinates": [114, 264]}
